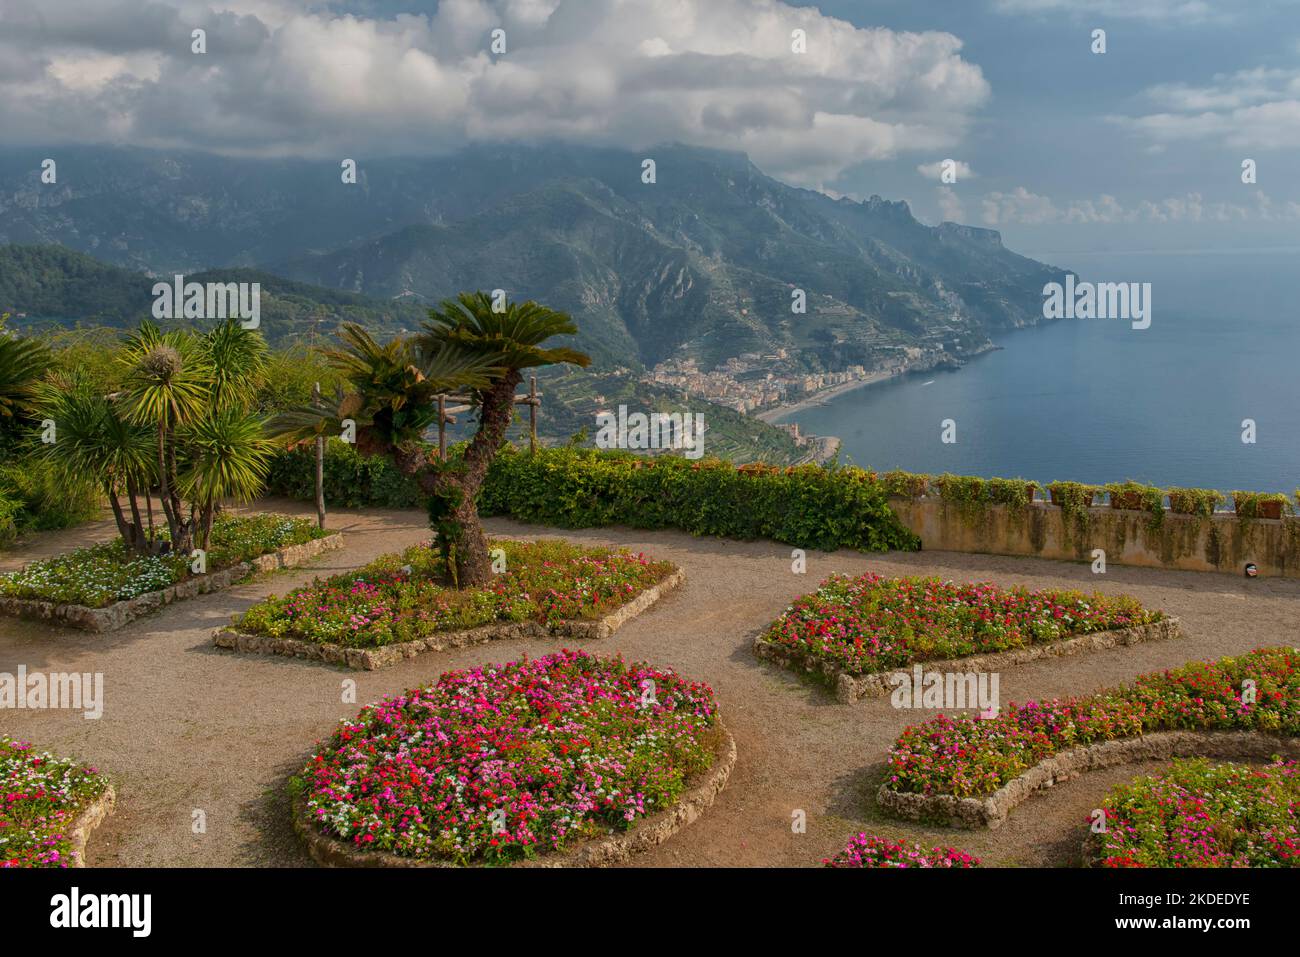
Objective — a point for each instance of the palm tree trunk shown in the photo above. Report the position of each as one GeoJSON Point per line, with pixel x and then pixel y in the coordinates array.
{"type": "Point", "coordinates": [469, 560]}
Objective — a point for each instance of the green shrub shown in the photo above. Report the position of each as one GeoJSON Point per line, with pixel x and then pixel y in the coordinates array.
{"type": "Point", "coordinates": [351, 480]}
{"type": "Point", "coordinates": [45, 499]}
{"type": "Point", "coordinates": [807, 506]}
{"type": "Point", "coordinates": [9, 510]}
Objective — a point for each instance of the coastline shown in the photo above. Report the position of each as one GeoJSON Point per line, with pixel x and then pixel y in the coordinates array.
{"type": "Point", "coordinates": [817, 398]}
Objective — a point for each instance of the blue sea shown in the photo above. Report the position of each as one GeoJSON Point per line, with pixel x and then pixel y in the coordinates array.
{"type": "Point", "coordinates": [1095, 400]}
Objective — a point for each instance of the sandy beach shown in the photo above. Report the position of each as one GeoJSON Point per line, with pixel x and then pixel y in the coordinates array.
{"type": "Point", "coordinates": [771, 415]}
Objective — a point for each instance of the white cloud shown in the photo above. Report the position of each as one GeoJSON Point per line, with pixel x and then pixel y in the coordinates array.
{"type": "Point", "coordinates": [951, 208]}
{"type": "Point", "coordinates": [282, 78]}
{"type": "Point", "coordinates": [935, 170]}
{"type": "Point", "coordinates": [1024, 207]}
{"type": "Point", "coordinates": [1172, 12]}
{"type": "Point", "coordinates": [1257, 109]}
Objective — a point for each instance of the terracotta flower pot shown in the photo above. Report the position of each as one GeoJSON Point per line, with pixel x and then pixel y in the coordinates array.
{"type": "Point", "coordinates": [1130, 500]}
{"type": "Point", "coordinates": [1265, 509]}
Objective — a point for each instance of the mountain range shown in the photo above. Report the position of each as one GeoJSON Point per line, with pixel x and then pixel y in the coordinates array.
{"type": "Point", "coordinates": [703, 262]}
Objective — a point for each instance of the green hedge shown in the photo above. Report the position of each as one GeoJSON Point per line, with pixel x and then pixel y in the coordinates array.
{"type": "Point", "coordinates": [809, 506]}
{"type": "Point", "coordinates": [350, 480]}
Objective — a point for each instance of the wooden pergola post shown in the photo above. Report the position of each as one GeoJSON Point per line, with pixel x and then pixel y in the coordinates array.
{"type": "Point", "coordinates": [442, 428]}
{"type": "Point", "coordinates": [533, 403]}
{"type": "Point", "coordinates": [320, 467]}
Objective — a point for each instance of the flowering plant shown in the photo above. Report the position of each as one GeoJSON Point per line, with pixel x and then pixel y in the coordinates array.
{"type": "Point", "coordinates": [41, 795]}
{"type": "Point", "coordinates": [968, 755]}
{"type": "Point", "coordinates": [102, 574]}
{"type": "Point", "coordinates": [870, 624]}
{"type": "Point", "coordinates": [1197, 814]}
{"type": "Point", "coordinates": [867, 850]}
{"type": "Point", "coordinates": [404, 597]}
{"type": "Point", "coordinates": [503, 762]}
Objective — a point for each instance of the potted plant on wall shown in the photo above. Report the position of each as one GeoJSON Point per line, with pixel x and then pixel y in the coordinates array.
{"type": "Point", "coordinates": [1260, 504]}
{"type": "Point", "coordinates": [1135, 496]}
{"type": "Point", "coordinates": [1072, 495]}
{"type": "Point", "coordinates": [1194, 501]}
{"type": "Point", "coordinates": [902, 484]}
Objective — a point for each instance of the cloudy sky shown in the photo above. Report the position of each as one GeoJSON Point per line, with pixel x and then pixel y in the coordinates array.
{"type": "Point", "coordinates": [1059, 147]}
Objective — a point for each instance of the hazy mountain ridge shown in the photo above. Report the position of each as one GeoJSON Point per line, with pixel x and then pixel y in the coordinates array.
{"type": "Point", "coordinates": [702, 262]}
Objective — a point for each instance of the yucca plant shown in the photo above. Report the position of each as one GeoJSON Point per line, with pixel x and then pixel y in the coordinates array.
{"type": "Point", "coordinates": [95, 439]}
{"type": "Point", "coordinates": [168, 385]}
{"type": "Point", "coordinates": [22, 363]}
{"type": "Point", "coordinates": [224, 455]}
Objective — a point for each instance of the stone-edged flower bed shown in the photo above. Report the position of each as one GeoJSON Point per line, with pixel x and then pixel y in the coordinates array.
{"type": "Point", "coordinates": [398, 606]}
{"type": "Point", "coordinates": [49, 807]}
{"type": "Point", "coordinates": [100, 589]}
{"type": "Point", "coordinates": [970, 772]}
{"type": "Point", "coordinates": [869, 851]}
{"type": "Point", "coordinates": [853, 633]}
{"type": "Point", "coordinates": [567, 759]}
{"type": "Point", "coordinates": [1199, 814]}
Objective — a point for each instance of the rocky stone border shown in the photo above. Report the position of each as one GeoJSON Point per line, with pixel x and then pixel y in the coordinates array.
{"type": "Point", "coordinates": [850, 688]}
{"type": "Point", "coordinates": [372, 659]}
{"type": "Point", "coordinates": [89, 818]}
{"type": "Point", "coordinates": [119, 614]}
{"type": "Point", "coordinates": [991, 811]}
{"type": "Point", "coordinates": [598, 852]}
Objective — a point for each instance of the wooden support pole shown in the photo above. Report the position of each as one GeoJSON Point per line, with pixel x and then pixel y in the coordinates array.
{"type": "Point", "coordinates": [442, 428]}
{"type": "Point", "coordinates": [320, 468]}
{"type": "Point", "coordinates": [532, 416]}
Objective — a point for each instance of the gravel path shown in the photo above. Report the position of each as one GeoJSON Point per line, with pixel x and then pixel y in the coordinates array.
{"type": "Point", "coordinates": [189, 727]}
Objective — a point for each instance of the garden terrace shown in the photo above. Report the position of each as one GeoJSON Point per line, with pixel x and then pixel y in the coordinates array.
{"type": "Point", "coordinates": [101, 587]}
{"type": "Point", "coordinates": [50, 805]}
{"type": "Point", "coordinates": [853, 632]}
{"type": "Point", "coordinates": [402, 605]}
{"type": "Point", "coordinates": [972, 771]}
{"type": "Point", "coordinates": [183, 718]}
{"type": "Point", "coordinates": [541, 759]}
{"type": "Point", "coordinates": [1198, 814]}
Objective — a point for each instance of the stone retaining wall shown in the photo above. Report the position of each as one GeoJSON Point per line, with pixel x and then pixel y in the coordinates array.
{"type": "Point", "coordinates": [1219, 543]}
{"type": "Point", "coordinates": [371, 659]}
{"type": "Point", "coordinates": [119, 614]}
{"type": "Point", "coordinates": [86, 821]}
{"type": "Point", "coordinates": [991, 811]}
{"type": "Point", "coordinates": [850, 688]}
{"type": "Point", "coordinates": [599, 852]}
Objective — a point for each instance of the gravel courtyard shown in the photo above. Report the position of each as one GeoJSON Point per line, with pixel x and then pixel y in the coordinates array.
{"type": "Point", "coordinates": [187, 726]}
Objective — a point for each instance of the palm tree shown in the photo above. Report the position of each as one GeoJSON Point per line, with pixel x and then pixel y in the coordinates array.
{"type": "Point", "coordinates": [511, 339]}
{"type": "Point", "coordinates": [391, 393]}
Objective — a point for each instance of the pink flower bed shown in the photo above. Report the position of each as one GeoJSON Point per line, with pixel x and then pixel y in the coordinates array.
{"type": "Point", "coordinates": [870, 624]}
{"type": "Point", "coordinates": [503, 762]}
{"type": "Point", "coordinates": [867, 850]}
{"type": "Point", "coordinates": [42, 794]}
{"type": "Point", "coordinates": [971, 756]}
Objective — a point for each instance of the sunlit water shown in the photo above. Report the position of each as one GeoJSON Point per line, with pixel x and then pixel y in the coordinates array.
{"type": "Point", "coordinates": [1097, 401]}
